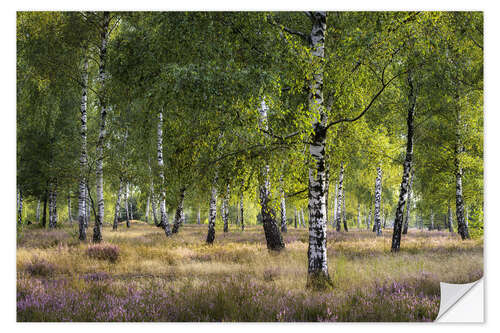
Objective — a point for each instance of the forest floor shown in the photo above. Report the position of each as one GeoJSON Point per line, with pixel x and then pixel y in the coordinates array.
{"type": "Point", "coordinates": [137, 274]}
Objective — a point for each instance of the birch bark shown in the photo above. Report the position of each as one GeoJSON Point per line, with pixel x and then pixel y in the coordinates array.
{"type": "Point", "coordinates": [378, 194]}
{"type": "Point", "coordinates": [97, 236]}
{"type": "Point", "coordinates": [83, 155]}
{"type": "Point", "coordinates": [179, 213]}
{"type": "Point", "coordinates": [403, 193]}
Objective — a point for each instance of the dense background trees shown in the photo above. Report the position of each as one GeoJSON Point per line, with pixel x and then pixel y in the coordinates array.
{"type": "Point", "coordinates": [336, 88]}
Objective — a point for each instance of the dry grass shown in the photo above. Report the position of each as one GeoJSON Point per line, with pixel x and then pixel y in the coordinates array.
{"type": "Point", "coordinates": [208, 282]}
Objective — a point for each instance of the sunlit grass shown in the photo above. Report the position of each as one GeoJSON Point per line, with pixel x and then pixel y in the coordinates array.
{"type": "Point", "coordinates": [184, 279]}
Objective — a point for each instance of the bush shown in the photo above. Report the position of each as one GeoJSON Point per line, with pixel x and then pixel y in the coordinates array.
{"type": "Point", "coordinates": [40, 267]}
{"type": "Point", "coordinates": [103, 252]}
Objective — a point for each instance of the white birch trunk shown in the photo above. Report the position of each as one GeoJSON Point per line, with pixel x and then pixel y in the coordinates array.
{"type": "Point", "coordinates": [97, 236]}
{"type": "Point", "coordinates": [378, 194]}
{"type": "Point", "coordinates": [38, 211]}
{"type": "Point", "coordinates": [127, 211]}
{"type": "Point", "coordinates": [148, 204]}
{"type": "Point", "coordinates": [198, 217]}
{"type": "Point", "coordinates": [241, 212]}
{"type": "Point", "coordinates": [163, 217]}
{"type": "Point", "coordinates": [19, 206]}
{"type": "Point", "coordinates": [212, 213]}
{"type": "Point", "coordinates": [83, 156]}
{"type": "Point", "coordinates": [179, 213]}
{"type": "Point", "coordinates": [70, 218]}
{"type": "Point", "coordinates": [338, 213]}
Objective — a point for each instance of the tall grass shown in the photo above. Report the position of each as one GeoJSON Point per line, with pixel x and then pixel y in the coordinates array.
{"type": "Point", "coordinates": [236, 279]}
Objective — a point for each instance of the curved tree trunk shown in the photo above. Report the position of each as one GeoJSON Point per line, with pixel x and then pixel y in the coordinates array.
{"type": "Point", "coordinates": [117, 206]}
{"type": "Point", "coordinates": [403, 192]}
{"type": "Point", "coordinates": [97, 236]}
{"type": "Point", "coordinates": [338, 214]}
{"type": "Point", "coordinates": [378, 195]}
{"type": "Point", "coordinates": [179, 213]}
{"type": "Point", "coordinates": [274, 239]}
{"type": "Point", "coordinates": [83, 155]}
{"type": "Point", "coordinates": [408, 204]}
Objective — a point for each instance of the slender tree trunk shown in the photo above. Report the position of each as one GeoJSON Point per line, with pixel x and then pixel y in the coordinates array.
{"type": "Point", "coordinates": [53, 207]}
{"type": "Point", "coordinates": [97, 236]}
{"type": "Point", "coordinates": [408, 204]}
{"type": "Point", "coordinates": [344, 219]}
{"type": "Point", "coordinates": [432, 221]}
{"type": "Point", "coordinates": [44, 214]}
{"type": "Point", "coordinates": [369, 223]}
{"type": "Point", "coordinates": [283, 211]}
{"type": "Point", "coordinates": [359, 217]}
{"type": "Point", "coordinates": [87, 207]}
{"type": "Point", "coordinates": [179, 213]}
{"type": "Point", "coordinates": [335, 204]}
{"type": "Point", "coordinates": [462, 223]}
{"type": "Point", "coordinates": [224, 210]}
{"type": "Point", "coordinates": [318, 276]}
{"type": "Point", "coordinates": [117, 206]}
{"type": "Point", "coordinates": [303, 220]}
{"type": "Point", "coordinates": [274, 239]}
{"type": "Point", "coordinates": [199, 216]}
{"type": "Point", "coordinates": [19, 206]}
{"type": "Point", "coordinates": [69, 208]}
{"type": "Point", "coordinates": [148, 204]}
{"type": "Point", "coordinates": [403, 193]}
{"type": "Point", "coordinates": [163, 218]}
{"type": "Point", "coordinates": [295, 218]}
{"type": "Point", "coordinates": [83, 155]}
{"type": "Point", "coordinates": [378, 195]}
{"type": "Point", "coordinates": [127, 211]}
{"type": "Point", "coordinates": [212, 213]}
{"type": "Point", "coordinates": [241, 212]}
{"type": "Point", "coordinates": [327, 191]}
{"type": "Point", "coordinates": [339, 198]}
{"type": "Point", "coordinates": [38, 211]}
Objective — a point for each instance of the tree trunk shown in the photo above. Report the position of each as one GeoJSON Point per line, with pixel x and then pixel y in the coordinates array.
{"type": "Point", "coordinates": [117, 206]}
{"type": "Point", "coordinates": [432, 221]}
{"type": "Point", "coordinates": [403, 193]}
{"type": "Point", "coordinates": [359, 217]}
{"type": "Point", "coordinates": [53, 207]}
{"type": "Point", "coordinates": [163, 218]}
{"type": "Point", "coordinates": [295, 218]}
{"type": "Point", "coordinates": [283, 211]}
{"type": "Point", "coordinates": [274, 239]}
{"type": "Point", "coordinates": [450, 218]}
{"type": "Point", "coordinates": [38, 211]}
{"type": "Point", "coordinates": [327, 191]}
{"type": "Point", "coordinates": [87, 207]}
{"type": "Point", "coordinates": [378, 196]}
{"type": "Point", "coordinates": [127, 211]}
{"type": "Point", "coordinates": [199, 216]}
{"type": "Point", "coordinates": [70, 218]}
{"type": "Point", "coordinates": [339, 198]}
{"type": "Point", "coordinates": [212, 214]}
{"type": "Point", "coordinates": [179, 213]}
{"type": "Point", "coordinates": [369, 220]}
{"type": "Point", "coordinates": [44, 214]}
{"type": "Point", "coordinates": [224, 210]}
{"type": "Point", "coordinates": [303, 220]}
{"type": "Point", "coordinates": [19, 206]}
{"type": "Point", "coordinates": [408, 204]}
{"type": "Point", "coordinates": [463, 229]}
{"type": "Point", "coordinates": [335, 204]}
{"type": "Point", "coordinates": [83, 155]}
{"type": "Point", "coordinates": [97, 236]}
{"type": "Point", "coordinates": [148, 204]}
{"type": "Point", "coordinates": [318, 276]}
{"type": "Point", "coordinates": [344, 219]}
{"type": "Point", "coordinates": [241, 212]}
